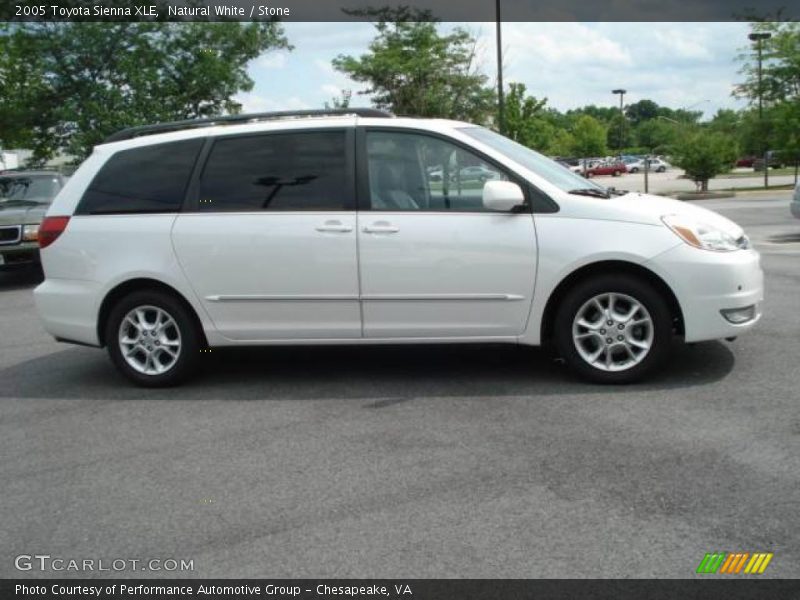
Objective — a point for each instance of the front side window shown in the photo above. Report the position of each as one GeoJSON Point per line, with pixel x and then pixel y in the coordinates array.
{"type": "Point", "coordinates": [546, 168]}
{"type": "Point", "coordinates": [417, 172]}
{"type": "Point", "coordinates": [148, 179]}
{"type": "Point", "coordinates": [302, 171]}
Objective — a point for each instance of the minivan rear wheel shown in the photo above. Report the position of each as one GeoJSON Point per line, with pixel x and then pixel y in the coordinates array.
{"type": "Point", "coordinates": [613, 329]}
{"type": "Point", "coordinates": [152, 339]}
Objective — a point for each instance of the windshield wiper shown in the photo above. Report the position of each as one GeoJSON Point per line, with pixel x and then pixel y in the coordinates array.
{"type": "Point", "coordinates": [597, 193]}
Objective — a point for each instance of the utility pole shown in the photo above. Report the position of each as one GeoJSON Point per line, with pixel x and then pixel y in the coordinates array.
{"type": "Point", "coordinates": [621, 93]}
{"type": "Point", "coordinates": [500, 102]}
{"type": "Point", "coordinates": [758, 38]}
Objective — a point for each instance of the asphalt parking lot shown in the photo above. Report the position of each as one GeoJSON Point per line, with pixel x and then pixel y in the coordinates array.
{"type": "Point", "coordinates": [410, 461]}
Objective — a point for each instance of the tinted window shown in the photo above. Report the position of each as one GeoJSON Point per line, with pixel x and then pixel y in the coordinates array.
{"type": "Point", "coordinates": [149, 179]}
{"type": "Point", "coordinates": [285, 171]}
{"type": "Point", "coordinates": [415, 172]}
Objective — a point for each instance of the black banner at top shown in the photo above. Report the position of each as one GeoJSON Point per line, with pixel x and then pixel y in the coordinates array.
{"type": "Point", "coordinates": [441, 10]}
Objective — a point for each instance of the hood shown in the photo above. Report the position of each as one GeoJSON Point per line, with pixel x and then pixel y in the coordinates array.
{"type": "Point", "coordinates": [646, 208]}
{"type": "Point", "coordinates": [21, 213]}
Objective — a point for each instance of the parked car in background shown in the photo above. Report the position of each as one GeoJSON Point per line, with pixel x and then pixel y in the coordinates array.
{"type": "Point", "coordinates": [794, 205]}
{"type": "Point", "coordinates": [476, 173]}
{"type": "Point", "coordinates": [24, 198]}
{"type": "Point", "coordinates": [582, 164]}
{"type": "Point", "coordinates": [746, 162]}
{"type": "Point", "coordinates": [614, 168]}
{"type": "Point", "coordinates": [656, 165]}
{"type": "Point", "coordinates": [774, 159]}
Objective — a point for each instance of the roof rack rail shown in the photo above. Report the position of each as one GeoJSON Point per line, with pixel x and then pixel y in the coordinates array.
{"type": "Point", "coordinates": [133, 132]}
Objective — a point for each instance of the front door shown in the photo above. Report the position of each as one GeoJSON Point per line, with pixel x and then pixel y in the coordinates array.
{"type": "Point", "coordinates": [434, 263]}
{"type": "Point", "coordinates": [270, 247]}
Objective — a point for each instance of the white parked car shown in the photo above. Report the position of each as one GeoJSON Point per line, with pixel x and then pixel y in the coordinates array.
{"type": "Point", "coordinates": [656, 165]}
{"type": "Point", "coordinates": [325, 229]}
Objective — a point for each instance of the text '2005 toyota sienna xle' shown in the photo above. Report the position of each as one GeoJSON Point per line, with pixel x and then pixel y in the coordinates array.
{"type": "Point", "coordinates": [361, 228]}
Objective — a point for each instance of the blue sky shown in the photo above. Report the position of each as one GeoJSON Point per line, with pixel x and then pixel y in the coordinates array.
{"type": "Point", "coordinates": [679, 65]}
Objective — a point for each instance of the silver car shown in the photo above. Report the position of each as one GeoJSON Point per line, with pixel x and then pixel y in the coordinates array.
{"type": "Point", "coordinates": [794, 205]}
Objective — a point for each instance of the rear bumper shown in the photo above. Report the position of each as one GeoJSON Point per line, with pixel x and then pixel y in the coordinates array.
{"type": "Point", "coordinates": [708, 283]}
{"type": "Point", "coordinates": [68, 309]}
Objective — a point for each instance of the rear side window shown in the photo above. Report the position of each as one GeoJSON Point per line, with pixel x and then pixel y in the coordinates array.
{"type": "Point", "coordinates": [276, 172]}
{"type": "Point", "coordinates": [150, 179]}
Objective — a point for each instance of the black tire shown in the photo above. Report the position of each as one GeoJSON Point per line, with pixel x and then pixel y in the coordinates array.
{"type": "Point", "coordinates": [661, 170]}
{"type": "Point", "coordinates": [617, 173]}
{"type": "Point", "coordinates": [635, 170]}
{"type": "Point", "coordinates": [190, 338]}
{"type": "Point", "coordinates": [627, 285]}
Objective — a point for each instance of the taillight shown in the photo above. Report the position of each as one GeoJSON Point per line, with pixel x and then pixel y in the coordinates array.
{"type": "Point", "coordinates": [50, 229]}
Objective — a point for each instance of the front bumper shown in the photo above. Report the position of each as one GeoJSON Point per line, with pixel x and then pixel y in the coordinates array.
{"type": "Point", "coordinates": [708, 283]}
{"type": "Point", "coordinates": [19, 255]}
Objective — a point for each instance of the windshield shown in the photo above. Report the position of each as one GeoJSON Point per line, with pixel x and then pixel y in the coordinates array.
{"type": "Point", "coordinates": [544, 167]}
{"type": "Point", "coordinates": [41, 188]}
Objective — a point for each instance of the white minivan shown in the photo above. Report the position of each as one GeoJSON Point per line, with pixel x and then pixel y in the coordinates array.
{"type": "Point", "coordinates": [357, 227]}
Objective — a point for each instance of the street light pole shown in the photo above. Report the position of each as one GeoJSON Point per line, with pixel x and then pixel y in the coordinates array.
{"type": "Point", "coordinates": [758, 38]}
{"type": "Point", "coordinates": [500, 99]}
{"type": "Point", "coordinates": [621, 93]}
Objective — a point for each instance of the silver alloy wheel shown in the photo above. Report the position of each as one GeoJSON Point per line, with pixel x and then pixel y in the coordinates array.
{"type": "Point", "coordinates": [149, 340]}
{"type": "Point", "coordinates": [613, 332]}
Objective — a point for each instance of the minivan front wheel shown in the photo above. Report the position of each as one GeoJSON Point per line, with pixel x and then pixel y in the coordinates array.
{"type": "Point", "coordinates": [152, 339]}
{"type": "Point", "coordinates": [613, 329]}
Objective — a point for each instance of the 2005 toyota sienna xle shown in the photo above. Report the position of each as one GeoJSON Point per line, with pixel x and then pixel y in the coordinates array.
{"type": "Point", "coordinates": [357, 227]}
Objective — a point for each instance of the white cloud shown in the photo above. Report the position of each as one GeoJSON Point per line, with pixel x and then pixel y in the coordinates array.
{"type": "Point", "coordinates": [331, 90]}
{"type": "Point", "coordinates": [563, 44]}
{"type": "Point", "coordinates": [253, 103]}
{"type": "Point", "coordinates": [572, 64]}
{"type": "Point", "coordinates": [272, 60]}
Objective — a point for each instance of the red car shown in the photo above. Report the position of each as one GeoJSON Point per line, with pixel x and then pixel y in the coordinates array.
{"type": "Point", "coordinates": [606, 168]}
{"type": "Point", "coordinates": [746, 161]}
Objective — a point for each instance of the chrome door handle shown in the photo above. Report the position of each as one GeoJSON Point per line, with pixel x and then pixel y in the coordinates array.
{"type": "Point", "coordinates": [333, 227]}
{"type": "Point", "coordinates": [380, 229]}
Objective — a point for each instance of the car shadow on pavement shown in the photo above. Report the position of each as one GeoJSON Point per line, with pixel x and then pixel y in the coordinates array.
{"type": "Point", "coordinates": [383, 374]}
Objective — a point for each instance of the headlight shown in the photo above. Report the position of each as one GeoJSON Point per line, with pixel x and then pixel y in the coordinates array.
{"type": "Point", "coordinates": [703, 235]}
{"type": "Point", "coordinates": [30, 233]}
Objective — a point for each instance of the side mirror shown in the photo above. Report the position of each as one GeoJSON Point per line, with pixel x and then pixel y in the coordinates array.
{"type": "Point", "coordinates": [502, 196]}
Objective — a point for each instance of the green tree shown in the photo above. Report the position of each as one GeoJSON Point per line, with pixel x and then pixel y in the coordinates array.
{"type": "Point", "coordinates": [69, 85]}
{"type": "Point", "coordinates": [619, 133]}
{"type": "Point", "coordinates": [704, 155]}
{"type": "Point", "coordinates": [786, 138]}
{"type": "Point", "coordinates": [589, 137]}
{"type": "Point", "coordinates": [643, 110]}
{"type": "Point", "coordinates": [339, 102]}
{"type": "Point", "coordinates": [562, 143]}
{"type": "Point", "coordinates": [604, 114]}
{"type": "Point", "coordinates": [656, 135]}
{"type": "Point", "coordinates": [726, 121]}
{"type": "Point", "coordinates": [524, 118]}
{"type": "Point", "coordinates": [413, 69]}
{"type": "Point", "coordinates": [781, 64]}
